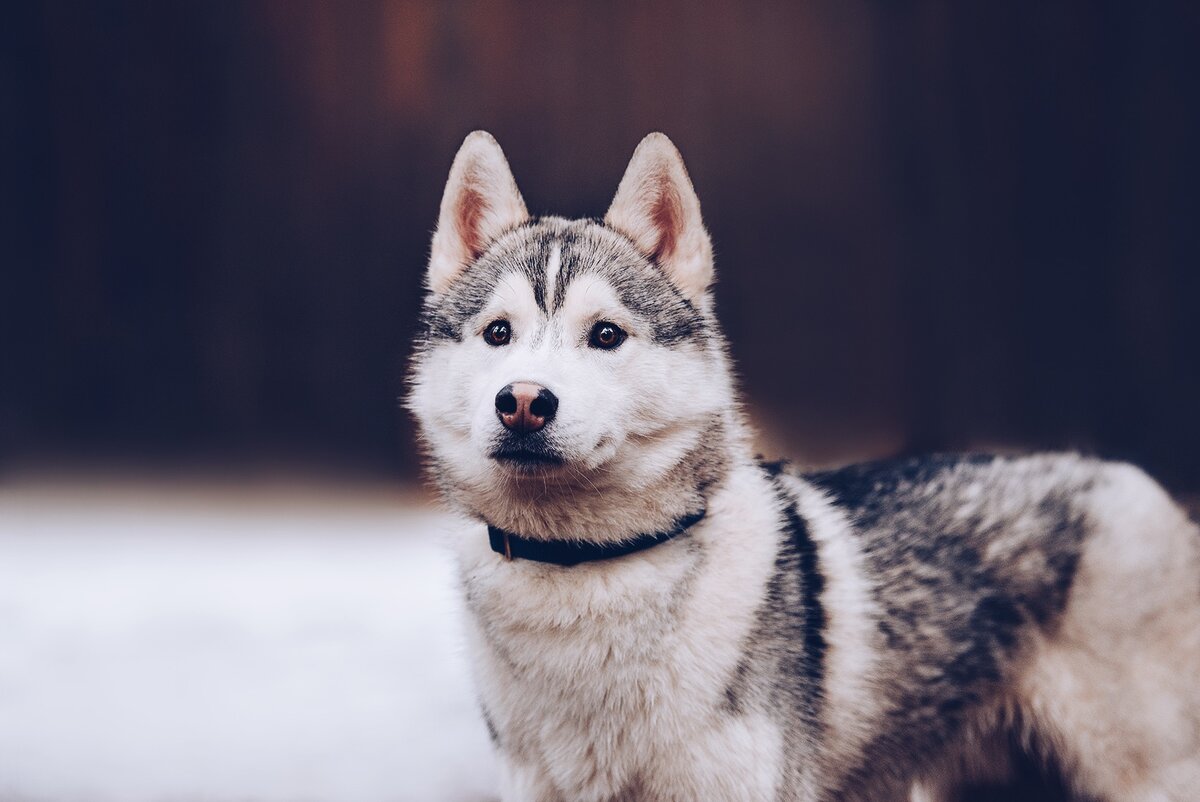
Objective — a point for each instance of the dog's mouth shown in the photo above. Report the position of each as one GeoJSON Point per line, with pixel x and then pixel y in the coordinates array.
{"type": "Point", "coordinates": [525, 457]}
{"type": "Point", "coordinates": [526, 452]}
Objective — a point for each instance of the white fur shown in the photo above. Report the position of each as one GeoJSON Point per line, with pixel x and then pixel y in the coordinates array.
{"type": "Point", "coordinates": [605, 674]}
{"type": "Point", "coordinates": [553, 265]}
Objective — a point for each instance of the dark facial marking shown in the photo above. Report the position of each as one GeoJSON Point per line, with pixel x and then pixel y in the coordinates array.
{"type": "Point", "coordinates": [585, 246]}
{"type": "Point", "coordinates": [446, 315]}
{"type": "Point", "coordinates": [640, 284]}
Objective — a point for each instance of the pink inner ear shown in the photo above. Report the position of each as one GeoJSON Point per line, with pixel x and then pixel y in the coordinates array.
{"type": "Point", "coordinates": [666, 216]}
{"type": "Point", "coordinates": [469, 213]}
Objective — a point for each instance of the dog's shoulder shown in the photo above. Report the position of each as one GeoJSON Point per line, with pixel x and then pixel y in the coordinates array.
{"type": "Point", "coordinates": [973, 544]}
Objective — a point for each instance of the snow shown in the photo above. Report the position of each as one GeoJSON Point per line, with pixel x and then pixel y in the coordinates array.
{"type": "Point", "coordinates": [176, 646]}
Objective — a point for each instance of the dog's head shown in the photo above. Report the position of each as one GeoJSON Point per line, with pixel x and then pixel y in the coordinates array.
{"type": "Point", "coordinates": [565, 357]}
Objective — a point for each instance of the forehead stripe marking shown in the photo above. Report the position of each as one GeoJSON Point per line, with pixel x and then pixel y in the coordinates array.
{"type": "Point", "coordinates": [553, 264]}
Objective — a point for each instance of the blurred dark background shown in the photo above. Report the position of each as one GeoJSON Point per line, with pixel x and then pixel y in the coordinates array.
{"type": "Point", "coordinates": [938, 225]}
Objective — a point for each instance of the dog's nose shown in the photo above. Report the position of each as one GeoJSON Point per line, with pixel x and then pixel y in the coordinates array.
{"type": "Point", "coordinates": [525, 406]}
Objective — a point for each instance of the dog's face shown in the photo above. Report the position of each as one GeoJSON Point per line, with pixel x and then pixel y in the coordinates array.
{"type": "Point", "coordinates": [561, 354]}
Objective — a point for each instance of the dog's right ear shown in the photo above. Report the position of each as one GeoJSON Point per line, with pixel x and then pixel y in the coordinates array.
{"type": "Point", "coordinates": [480, 203]}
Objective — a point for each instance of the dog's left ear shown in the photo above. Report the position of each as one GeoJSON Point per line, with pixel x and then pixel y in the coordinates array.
{"type": "Point", "coordinates": [480, 203]}
{"type": "Point", "coordinates": [657, 208]}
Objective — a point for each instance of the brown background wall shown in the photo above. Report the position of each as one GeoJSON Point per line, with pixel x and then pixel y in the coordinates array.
{"type": "Point", "coordinates": [938, 225]}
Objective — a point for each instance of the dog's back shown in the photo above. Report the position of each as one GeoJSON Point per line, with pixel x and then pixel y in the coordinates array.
{"type": "Point", "coordinates": [1050, 598]}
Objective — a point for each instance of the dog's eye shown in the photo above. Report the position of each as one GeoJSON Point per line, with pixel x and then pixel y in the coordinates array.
{"type": "Point", "coordinates": [606, 335]}
{"type": "Point", "coordinates": [497, 333]}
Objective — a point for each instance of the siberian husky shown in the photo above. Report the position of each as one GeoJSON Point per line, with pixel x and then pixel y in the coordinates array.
{"type": "Point", "coordinates": [655, 614]}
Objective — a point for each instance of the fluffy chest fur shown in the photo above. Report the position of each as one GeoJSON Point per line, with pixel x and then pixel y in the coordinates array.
{"type": "Point", "coordinates": [607, 678]}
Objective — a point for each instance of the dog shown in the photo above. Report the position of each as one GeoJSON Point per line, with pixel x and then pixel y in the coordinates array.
{"type": "Point", "coordinates": [656, 614]}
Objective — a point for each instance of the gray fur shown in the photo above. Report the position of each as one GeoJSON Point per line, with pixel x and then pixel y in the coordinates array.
{"type": "Point", "coordinates": [964, 554]}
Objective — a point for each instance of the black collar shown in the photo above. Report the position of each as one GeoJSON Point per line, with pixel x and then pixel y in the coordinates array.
{"type": "Point", "coordinates": [573, 552]}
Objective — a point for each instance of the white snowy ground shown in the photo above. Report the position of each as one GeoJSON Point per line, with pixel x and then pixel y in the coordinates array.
{"type": "Point", "coordinates": [160, 645]}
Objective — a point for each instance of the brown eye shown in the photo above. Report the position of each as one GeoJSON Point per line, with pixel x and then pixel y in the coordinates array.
{"type": "Point", "coordinates": [606, 335]}
{"type": "Point", "coordinates": [497, 333]}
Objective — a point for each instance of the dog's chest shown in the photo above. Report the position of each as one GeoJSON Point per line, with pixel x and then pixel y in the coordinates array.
{"type": "Point", "coordinates": [608, 680]}
{"type": "Point", "coordinates": [585, 679]}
